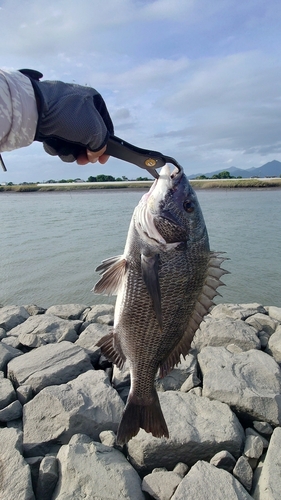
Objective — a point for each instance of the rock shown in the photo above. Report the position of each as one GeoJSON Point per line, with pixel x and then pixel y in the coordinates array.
{"type": "Point", "coordinates": [11, 316]}
{"type": "Point", "coordinates": [2, 333]}
{"type": "Point", "coordinates": [181, 469]}
{"type": "Point", "coordinates": [48, 365]}
{"type": "Point", "coordinates": [33, 309]}
{"type": "Point", "coordinates": [190, 383]}
{"type": "Point", "coordinates": [221, 332]}
{"type": "Point", "coordinates": [198, 429]}
{"type": "Point", "coordinates": [263, 427]}
{"type": "Point", "coordinates": [47, 478]}
{"type": "Point", "coordinates": [161, 485]}
{"type": "Point", "coordinates": [237, 311]}
{"type": "Point", "coordinates": [24, 393]}
{"type": "Point", "coordinates": [274, 345]}
{"type": "Point", "coordinates": [11, 342]}
{"type": "Point", "coordinates": [11, 412]}
{"type": "Point", "coordinates": [89, 338]}
{"type": "Point", "coordinates": [14, 471]}
{"type": "Point", "coordinates": [243, 472]}
{"type": "Point", "coordinates": [108, 438]}
{"type": "Point", "coordinates": [6, 354]}
{"type": "Point", "coordinates": [87, 404]}
{"type": "Point", "coordinates": [99, 469]}
{"type": "Point", "coordinates": [47, 329]}
{"type": "Point", "coordinates": [275, 313]}
{"type": "Point", "coordinates": [250, 382]}
{"type": "Point", "coordinates": [252, 432]}
{"type": "Point", "coordinates": [204, 481]}
{"type": "Point", "coordinates": [97, 311]}
{"type": "Point", "coordinates": [7, 392]}
{"type": "Point", "coordinates": [253, 446]}
{"type": "Point", "coordinates": [223, 460]}
{"type": "Point", "coordinates": [179, 375]}
{"type": "Point", "coordinates": [262, 322]}
{"type": "Point", "coordinates": [268, 485]}
{"type": "Point", "coordinates": [67, 311]}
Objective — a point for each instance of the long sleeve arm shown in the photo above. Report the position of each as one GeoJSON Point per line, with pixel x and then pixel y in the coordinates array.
{"type": "Point", "coordinates": [18, 111]}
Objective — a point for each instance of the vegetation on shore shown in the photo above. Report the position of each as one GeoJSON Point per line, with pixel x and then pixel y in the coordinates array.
{"type": "Point", "coordinates": [220, 181]}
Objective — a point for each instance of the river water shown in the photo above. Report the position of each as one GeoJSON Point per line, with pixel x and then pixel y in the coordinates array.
{"type": "Point", "coordinates": [52, 242]}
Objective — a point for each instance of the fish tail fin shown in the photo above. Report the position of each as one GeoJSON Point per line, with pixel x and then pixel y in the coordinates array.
{"type": "Point", "coordinates": [148, 417]}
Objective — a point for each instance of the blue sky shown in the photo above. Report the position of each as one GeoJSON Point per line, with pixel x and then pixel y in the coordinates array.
{"type": "Point", "coordinates": [194, 79]}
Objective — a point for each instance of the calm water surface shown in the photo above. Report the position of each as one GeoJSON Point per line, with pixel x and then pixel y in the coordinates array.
{"type": "Point", "coordinates": [51, 243]}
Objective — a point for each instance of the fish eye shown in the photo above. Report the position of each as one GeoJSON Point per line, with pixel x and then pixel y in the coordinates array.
{"type": "Point", "coordinates": [188, 206]}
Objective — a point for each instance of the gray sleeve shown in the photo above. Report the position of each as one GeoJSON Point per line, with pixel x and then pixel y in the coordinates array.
{"type": "Point", "coordinates": [18, 111]}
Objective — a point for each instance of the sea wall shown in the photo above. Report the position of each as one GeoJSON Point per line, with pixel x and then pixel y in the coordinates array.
{"type": "Point", "coordinates": [61, 402]}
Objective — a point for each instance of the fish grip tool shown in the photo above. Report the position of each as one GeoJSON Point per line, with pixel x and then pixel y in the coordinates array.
{"type": "Point", "coordinates": [3, 164]}
{"type": "Point", "coordinates": [143, 158]}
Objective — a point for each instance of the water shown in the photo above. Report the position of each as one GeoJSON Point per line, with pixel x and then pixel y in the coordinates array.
{"type": "Point", "coordinates": [52, 242]}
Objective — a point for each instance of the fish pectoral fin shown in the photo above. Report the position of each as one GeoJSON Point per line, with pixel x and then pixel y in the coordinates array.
{"type": "Point", "coordinates": [148, 417]}
{"type": "Point", "coordinates": [113, 271]}
{"type": "Point", "coordinates": [149, 269]}
{"type": "Point", "coordinates": [111, 349]}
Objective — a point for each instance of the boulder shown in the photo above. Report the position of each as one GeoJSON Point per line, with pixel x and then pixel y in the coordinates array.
{"type": "Point", "coordinates": [87, 404]}
{"type": "Point", "coordinates": [14, 471]}
{"type": "Point", "coordinates": [11, 316]}
{"type": "Point", "coordinates": [11, 412]}
{"type": "Point", "coordinates": [268, 484]}
{"type": "Point", "coordinates": [48, 365]}
{"type": "Point", "coordinates": [101, 472]}
{"type": "Point", "coordinates": [250, 382]}
{"type": "Point", "coordinates": [198, 429]}
{"type": "Point", "coordinates": [47, 478]}
{"type": "Point", "coordinates": [89, 338]}
{"type": "Point", "coordinates": [205, 481]}
{"type": "Point", "coordinates": [275, 313]}
{"type": "Point", "coordinates": [44, 329]}
{"type": "Point", "coordinates": [93, 315]}
{"type": "Point", "coordinates": [274, 345]}
{"type": "Point", "coordinates": [243, 472]}
{"type": "Point", "coordinates": [253, 446]}
{"type": "Point", "coordinates": [6, 354]}
{"type": "Point", "coordinates": [262, 322]}
{"type": "Point", "coordinates": [237, 311]}
{"type": "Point", "coordinates": [223, 460]}
{"type": "Point", "coordinates": [179, 375]}
{"type": "Point", "coordinates": [161, 484]}
{"type": "Point", "coordinates": [67, 311]}
{"type": "Point", "coordinates": [222, 332]}
{"type": "Point", "coordinates": [7, 391]}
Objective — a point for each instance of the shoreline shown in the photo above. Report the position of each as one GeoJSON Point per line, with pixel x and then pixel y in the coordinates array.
{"type": "Point", "coordinates": [197, 184]}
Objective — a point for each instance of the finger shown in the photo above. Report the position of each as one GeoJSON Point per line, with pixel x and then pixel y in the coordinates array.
{"type": "Point", "coordinates": [103, 159]}
{"type": "Point", "coordinates": [93, 156]}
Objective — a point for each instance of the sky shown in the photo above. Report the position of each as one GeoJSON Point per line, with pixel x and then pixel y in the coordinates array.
{"type": "Point", "coordinates": [197, 80]}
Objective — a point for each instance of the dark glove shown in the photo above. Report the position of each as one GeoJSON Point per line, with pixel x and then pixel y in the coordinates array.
{"type": "Point", "coordinates": [72, 118]}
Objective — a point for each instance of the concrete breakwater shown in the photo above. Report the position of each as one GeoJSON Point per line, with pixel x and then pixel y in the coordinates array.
{"type": "Point", "coordinates": [61, 402]}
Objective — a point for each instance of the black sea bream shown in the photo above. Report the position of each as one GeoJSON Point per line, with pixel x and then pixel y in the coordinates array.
{"type": "Point", "coordinates": [165, 283]}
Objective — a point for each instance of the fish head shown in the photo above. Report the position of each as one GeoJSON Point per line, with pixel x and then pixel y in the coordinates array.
{"type": "Point", "coordinates": [170, 211]}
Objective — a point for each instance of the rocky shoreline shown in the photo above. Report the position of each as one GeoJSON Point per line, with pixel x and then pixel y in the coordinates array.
{"type": "Point", "coordinates": [61, 402]}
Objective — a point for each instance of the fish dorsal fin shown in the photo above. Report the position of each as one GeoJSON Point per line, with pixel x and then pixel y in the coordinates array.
{"type": "Point", "coordinates": [149, 269]}
{"type": "Point", "coordinates": [113, 271]}
{"type": "Point", "coordinates": [201, 308]}
{"type": "Point", "coordinates": [111, 349]}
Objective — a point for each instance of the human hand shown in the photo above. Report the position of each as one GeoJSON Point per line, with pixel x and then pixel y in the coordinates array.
{"type": "Point", "coordinates": [73, 122]}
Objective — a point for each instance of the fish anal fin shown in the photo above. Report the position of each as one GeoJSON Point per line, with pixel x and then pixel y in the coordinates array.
{"type": "Point", "coordinates": [148, 417]}
{"type": "Point", "coordinates": [113, 272]}
{"type": "Point", "coordinates": [111, 349]}
{"type": "Point", "coordinates": [149, 269]}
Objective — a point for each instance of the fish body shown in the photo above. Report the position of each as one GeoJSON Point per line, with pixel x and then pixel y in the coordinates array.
{"type": "Point", "coordinates": [165, 283]}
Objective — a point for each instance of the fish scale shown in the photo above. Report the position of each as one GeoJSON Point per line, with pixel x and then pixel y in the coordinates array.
{"type": "Point", "coordinates": [165, 283]}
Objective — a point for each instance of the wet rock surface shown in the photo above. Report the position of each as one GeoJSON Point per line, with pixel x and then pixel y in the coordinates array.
{"type": "Point", "coordinates": [61, 403]}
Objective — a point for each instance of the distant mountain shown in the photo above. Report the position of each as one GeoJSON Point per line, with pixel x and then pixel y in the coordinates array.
{"type": "Point", "coordinates": [270, 169]}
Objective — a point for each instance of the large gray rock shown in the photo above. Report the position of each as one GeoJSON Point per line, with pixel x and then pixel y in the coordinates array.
{"type": "Point", "coordinates": [101, 472]}
{"type": "Point", "coordinates": [274, 345]}
{"type": "Point", "coordinates": [237, 311]}
{"type": "Point", "coordinates": [87, 404]}
{"type": "Point", "coordinates": [243, 472]}
{"type": "Point", "coordinates": [7, 391]}
{"type": "Point", "coordinates": [11, 412]}
{"type": "Point", "coordinates": [44, 329]}
{"type": "Point", "coordinates": [15, 482]}
{"type": "Point", "coordinates": [250, 382]}
{"type": "Point", "coordinates": [178, 376]}
{"type": "Point", "coordinates": [222, 332]}
{"type": "Point", "coordinates": [268, 485]}
{"type": "Point", "coordinates": [97, 311]}
{"type": "Point", "coordinates": [262, 322]}
{"type": "Point", "coordinates": [11, 316]}
{"type": "Point", "coordinates": [6, 354]}
{"type": "Point", "coordinates": [47, 478]}
{"type": "Point", "coordinates": [89, 338]}
{"type": "Point", "coordinates": [49, 365]}
{"type": "Point", "coordinates": [205, 481]}
{"type": "Point", "coordinates": [275, 313]}
{"type": "Point", "coordinates": [67, 311]}
{"type": "Point", "coordinates": [198, 429]}
{"type": "Point", "coordinates": [161, 484]}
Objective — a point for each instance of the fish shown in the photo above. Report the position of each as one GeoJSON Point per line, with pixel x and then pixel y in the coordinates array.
{"type": "Point", "coordinates": [165, 282]}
